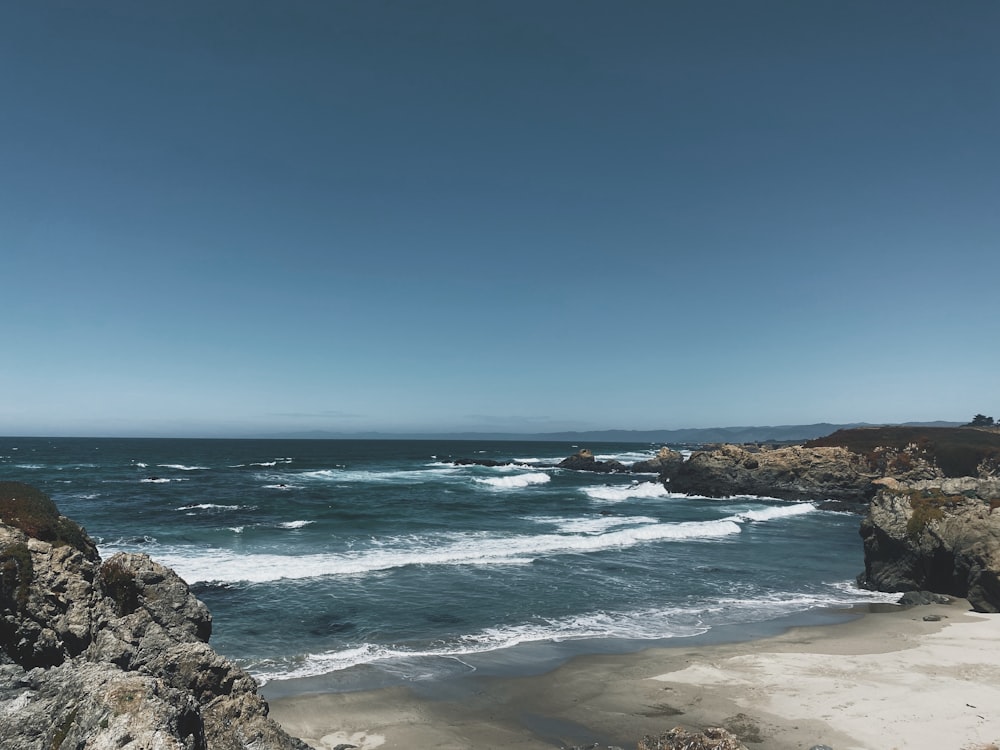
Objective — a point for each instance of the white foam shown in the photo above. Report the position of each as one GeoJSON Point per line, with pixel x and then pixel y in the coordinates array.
{"type": "Point", "coordinates": [160, 480]}
{"type": "Point", "coordinates": [213, 506]}
{"type": "Point", "coordinates": [647, 624]}
{"type": "Point", "coordinates": [516, 481]}
{"type": "Point", "coordinates": [591, 524]}
{"type": "Point", "coordinates": [611, 493]}
{"type": "Point", "coordinates": [182, 467]}
{"type": "Point", "coordinates": [643, 625]}
{"type": "Point", "coordinates": [774, 512]}
{"type": "Point", "coordinates": [195, 564]}
{"type": "Point", "coordinates": [294, 524]}
{"type": "Point", "coordinates": [140, 464]}
{"type": "Point", "coordinates": [344, 475]}
{"type": "Point", "coordinates": [627, 457]}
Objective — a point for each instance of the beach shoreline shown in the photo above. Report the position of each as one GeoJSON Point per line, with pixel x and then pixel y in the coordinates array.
{"type": "Point", "coordinates": [885, 679]}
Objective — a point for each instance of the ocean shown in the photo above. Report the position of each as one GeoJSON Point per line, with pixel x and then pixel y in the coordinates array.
{"type": "Point", "coordinates": [335, 565]}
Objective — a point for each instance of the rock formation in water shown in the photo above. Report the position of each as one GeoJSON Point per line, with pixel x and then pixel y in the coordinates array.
{"type": "Point", "coordinates": [112, 654]}
{"type": "Point", "coordinates": [789, 473]}
{"type": "Point", "coordinates": [665, 463]}
{"type": "Point", "coordinates": [941, 536]}
{"type": "Point", "coordinates": [842, 466]}
{"type": "Point", "coordinates": [584, 460]}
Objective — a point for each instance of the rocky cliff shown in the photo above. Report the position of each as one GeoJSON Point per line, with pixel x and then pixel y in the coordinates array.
{"type": "Point", "coordinates": [789, 473]}
{"type": "Point", "coordinates": [941, 536]}
{"type": "Point", "coordinates": [110, 654]}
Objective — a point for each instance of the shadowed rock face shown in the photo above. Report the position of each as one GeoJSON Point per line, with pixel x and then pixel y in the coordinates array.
{"type": "Point", "coordinates": [789, 473]}
{"type": "Point", "coordinates": [112, 655]}
{"type": "Point", "coordinates": [921, 537]}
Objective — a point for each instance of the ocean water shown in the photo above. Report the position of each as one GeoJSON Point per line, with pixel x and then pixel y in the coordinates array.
{"type": "Point", "coordinates": [342, 564]}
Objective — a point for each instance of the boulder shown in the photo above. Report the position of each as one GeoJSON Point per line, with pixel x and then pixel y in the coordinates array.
{"type": "Point", "coordinates": [583, 460]}
{"type": "Point", "coordinates": [924, 539]}
{"type": "Point", "coordinates": [664, 463]}
{"type": "Point", "coordinates": [113, 654]}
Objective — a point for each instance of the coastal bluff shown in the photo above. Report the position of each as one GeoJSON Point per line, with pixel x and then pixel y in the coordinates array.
{"type": "Point", "coordinates": [110, 654]}
{"type": "Point", "coordinates": [941, 536]}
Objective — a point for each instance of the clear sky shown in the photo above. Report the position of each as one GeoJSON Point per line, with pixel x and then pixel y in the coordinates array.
{"type": "Point", "coordinates": [236, 217]}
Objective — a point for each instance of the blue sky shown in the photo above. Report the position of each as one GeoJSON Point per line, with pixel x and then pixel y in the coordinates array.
{"type": "Point", "coordinates": [244, 217]}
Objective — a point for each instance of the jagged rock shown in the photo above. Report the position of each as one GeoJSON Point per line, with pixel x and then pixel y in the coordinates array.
{"type": "Point", "coordinates": [113, 655]}
{"type": "Point", "coordinates": [678, 738]}
{"type": "Point", "coordinates": [665, 462]}
{"type": "Point", "coordinates": [790, 473]}
{"type": "Point", "coordinates": [917, 539]}
{"type": "Point", "coordinates": [583, 460]}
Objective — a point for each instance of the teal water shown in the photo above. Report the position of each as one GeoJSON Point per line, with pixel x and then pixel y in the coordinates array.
{"type": "Point", "coordinates": [340, 563]}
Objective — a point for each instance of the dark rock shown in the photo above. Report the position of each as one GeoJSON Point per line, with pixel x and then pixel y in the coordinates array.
{"type": "Point", "coordinates": [922, 539]}
{"type": "Point", "coordinates": [932, 618]}
{"type": "Point", "coordinates": [584, 460]}
{"type": "Point", "coordinates": [480, 462]}
{"type": "Point", "coordinates": [919, 598]}
{"type": "Point", "coordinates": [665, 463]}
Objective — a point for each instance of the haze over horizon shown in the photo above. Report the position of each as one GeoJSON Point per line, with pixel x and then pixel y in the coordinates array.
{"type": "Point", "coordinates": [243, 217]}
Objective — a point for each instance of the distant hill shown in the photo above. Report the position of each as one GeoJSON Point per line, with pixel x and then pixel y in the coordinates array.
{"type": "Point", "coordinates": [764, 434]}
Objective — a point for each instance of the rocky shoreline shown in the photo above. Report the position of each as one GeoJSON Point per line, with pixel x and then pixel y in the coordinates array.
{"type": "Point", "coordinates": [114, 653]}
{"type": "Point", "coordinates": [110, 654]}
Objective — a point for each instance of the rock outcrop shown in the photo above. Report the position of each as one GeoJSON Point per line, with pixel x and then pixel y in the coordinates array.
{"type": "Point", "coordinates": [943, 538]}
{"type": "Point", "coordinates": [665, 463]}
{"type": "Point", "coordinates": [113, 654]}
{"type": "Point", "coordinates": [789, 473]}
{"type": "Point", "coordinates": [583, 460]}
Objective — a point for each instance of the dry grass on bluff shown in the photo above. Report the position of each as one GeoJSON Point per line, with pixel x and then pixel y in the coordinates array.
{"type": "Point", "coordinates": [32, 511]}
{"type": "Point", "coordinates": [958, 451]}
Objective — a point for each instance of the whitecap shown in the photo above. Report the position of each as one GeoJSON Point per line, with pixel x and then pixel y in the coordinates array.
{"type": "Point", "coordinates": [612, 493]}
{"type": "Point", "coordinates": [344, 475]}
{"type": "Point", "coordinates": [182, 467]}
{"type": "Point", "coordinates": [516, 481]}
{"type": "Point", "coordinates": [774, 512]}
{"type": "Point", "coordinates": [591, 524]}
{"type": "Point", "coordinates": [294, 524]}
{"type": "Point", "coordinates": [213, 506]}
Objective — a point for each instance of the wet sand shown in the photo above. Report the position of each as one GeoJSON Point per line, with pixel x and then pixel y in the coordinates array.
{"type": "Point", "coordinates": [886, 680]}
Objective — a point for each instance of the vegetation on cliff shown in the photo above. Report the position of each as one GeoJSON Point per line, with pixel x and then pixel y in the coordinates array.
{"type": "Point", "coordinates": [957, 451]}
{"type": "Point", "coordinates": [30, 510]}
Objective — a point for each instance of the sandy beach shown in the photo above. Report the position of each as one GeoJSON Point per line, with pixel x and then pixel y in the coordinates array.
{"type": "Point", "coordinates": [885, 680]}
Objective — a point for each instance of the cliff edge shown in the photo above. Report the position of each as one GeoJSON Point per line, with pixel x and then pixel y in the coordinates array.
{"type": "Point", "coordinates": [110, 654]}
